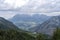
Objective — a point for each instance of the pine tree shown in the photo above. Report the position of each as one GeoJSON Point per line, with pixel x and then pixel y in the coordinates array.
{"type": "Point", "coordinates": [40, 37]}
{"type": "Point", "coordinates": [56, 35]}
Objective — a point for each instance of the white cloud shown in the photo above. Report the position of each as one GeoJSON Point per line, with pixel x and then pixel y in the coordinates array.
{"type": "Point", "coordinates": [35, 5]}
{"type": "Point", "coordinates": [15, 3]}
{"type": "Point", "coordinates": [42, 6]}
{"type": "Point", "coordinates": [11, 4]}
{"type": "Point", "coordinates": [7, 14]}
{"type": "Point", "coordinates": [47, 7]}
{"type": "Point", "coordinates": [52, 14]}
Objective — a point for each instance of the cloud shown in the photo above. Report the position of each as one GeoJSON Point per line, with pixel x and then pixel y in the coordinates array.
{"type": "Point", "coordinates": [9, 8]}
{"type": "Point", "coordinates": [32, 6]}
{"type": "Point", "coordinates": [42, 6]}
{"type": "Point", "coordinates": [4, 5]}
{"type": "Point", "coordinates": [7, 14]}
{"type": "Point", "coordinates": [11, 4]}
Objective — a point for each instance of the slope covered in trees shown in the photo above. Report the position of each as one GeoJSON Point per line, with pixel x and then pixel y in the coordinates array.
{"type": "Point", "coordinates": [14, 35]}
{"type": "Point", "coordinates": [56, 35]}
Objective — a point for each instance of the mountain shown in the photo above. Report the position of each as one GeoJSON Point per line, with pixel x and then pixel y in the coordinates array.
{"type": "Point", "coordinates": [29, 18]}
{"type": "Point", "coordinates": [48, 27]}
{"type": "Point", "coordinates": [8, 31]}
{"type": "Point", "coordinates": [5, 24]}
{"type": "Point", "coordinates": [25, 21]}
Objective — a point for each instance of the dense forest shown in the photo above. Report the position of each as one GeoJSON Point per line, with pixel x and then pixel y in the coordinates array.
{"type": "Point", "coordinates": [20, 35]}
{"type": "Point", "coordinates": [14, 35]}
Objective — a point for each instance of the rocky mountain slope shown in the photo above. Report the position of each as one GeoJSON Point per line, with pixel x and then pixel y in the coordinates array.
{"type": "Point", "coordinates": [48, 27]}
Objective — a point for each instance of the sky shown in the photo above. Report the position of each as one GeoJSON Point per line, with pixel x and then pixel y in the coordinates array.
{"type": "Point", "coordinates": [9, 8]}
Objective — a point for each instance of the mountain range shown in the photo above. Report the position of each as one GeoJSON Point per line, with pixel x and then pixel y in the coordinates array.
{"type": "Point", "coordinates": [29, 18]}
{"type": "Point", "coordinates": [25, 21]}
{"type": "Point", "coordinates": [33, 23]}
{"type": "Point", "coordinates": [37, 23]}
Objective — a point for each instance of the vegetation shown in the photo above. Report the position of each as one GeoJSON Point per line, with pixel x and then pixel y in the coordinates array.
{"type": "Point", "coordinates": [23, 35]}
{"type": "Point", "coordinates": [19, 35]}
{"type": "Point", "coordinates": [8, 31]}
{"type": "Point", "coordinates": [56, 35]}
{"type": "Point", "coordinates": [40, 37]}
{"type": "Point", "coordinates": [14, 35]}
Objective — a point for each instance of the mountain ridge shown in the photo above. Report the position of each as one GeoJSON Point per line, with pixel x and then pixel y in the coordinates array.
{"type": "Point", "coordinates": [26, 21]}
{"type": "Point", "coordinates": [5, 24]}
{"type": "Point", "coordinates": [49, 26]}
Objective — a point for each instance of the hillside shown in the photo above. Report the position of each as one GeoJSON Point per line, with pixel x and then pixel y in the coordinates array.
{"type": "Point", "coordinates": [8, 31]}
{"type": "Point", "coordinates": [5, 24]}
{"type": "Point", "coordinates": [48, 27]}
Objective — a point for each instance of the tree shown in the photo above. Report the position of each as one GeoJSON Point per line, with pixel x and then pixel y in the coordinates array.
{"type": "Point", "coordinates": [56, 35]}
{"type": "Point", "coordinates": [15, 35]}
{"type": "Point", "coordinates": [40, 37]}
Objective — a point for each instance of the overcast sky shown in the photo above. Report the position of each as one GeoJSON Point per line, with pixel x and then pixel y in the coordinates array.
{"type": "Point", "coordinates": [9, 8]}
